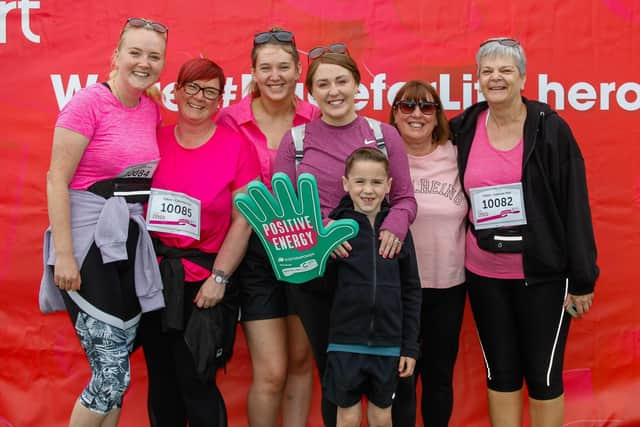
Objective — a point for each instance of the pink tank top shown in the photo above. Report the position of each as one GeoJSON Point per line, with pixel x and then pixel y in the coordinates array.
{"type": "Point", "coordinates": [489, 166]}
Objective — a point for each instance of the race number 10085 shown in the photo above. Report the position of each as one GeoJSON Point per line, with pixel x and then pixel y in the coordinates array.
{"type": "Point", "coordinates": [175, 208]}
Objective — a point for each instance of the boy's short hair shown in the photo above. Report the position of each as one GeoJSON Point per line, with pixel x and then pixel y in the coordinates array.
{"type": "Point", "coordinates": [366, 154]}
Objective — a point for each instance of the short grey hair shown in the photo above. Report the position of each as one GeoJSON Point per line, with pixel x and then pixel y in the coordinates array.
{"type": "Point", "coordinates": [494, 48]}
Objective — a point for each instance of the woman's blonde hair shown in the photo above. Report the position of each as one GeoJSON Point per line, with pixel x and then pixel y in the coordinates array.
{"type": "Point", "coordinates": [152, 91]}
{"type": "Point", "coordinates": [289, 47]}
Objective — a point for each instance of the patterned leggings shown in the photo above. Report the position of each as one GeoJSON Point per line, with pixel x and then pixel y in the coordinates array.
{"type": "Point", "coordinates": [107, 348]}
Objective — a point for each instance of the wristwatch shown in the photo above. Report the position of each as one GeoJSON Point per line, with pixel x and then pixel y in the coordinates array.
{"type": "Point", "coordinates": [220, 277]}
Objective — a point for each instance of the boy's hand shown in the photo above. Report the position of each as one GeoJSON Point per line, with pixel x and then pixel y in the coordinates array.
{"type": "Point", "coordinates": [290, 227]}
{"type": "Point", "coordinates": [406, 366]}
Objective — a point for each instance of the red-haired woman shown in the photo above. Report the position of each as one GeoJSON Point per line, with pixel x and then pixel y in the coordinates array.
{"type": "Point", "coordinates": [200, 239]}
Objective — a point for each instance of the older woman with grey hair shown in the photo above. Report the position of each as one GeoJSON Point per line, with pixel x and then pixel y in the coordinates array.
{"type": "Point", "coordinates": [530, 251]}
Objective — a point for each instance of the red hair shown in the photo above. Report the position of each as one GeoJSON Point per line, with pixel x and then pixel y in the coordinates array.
{"type": "Point", "coordinates": [200, 69]}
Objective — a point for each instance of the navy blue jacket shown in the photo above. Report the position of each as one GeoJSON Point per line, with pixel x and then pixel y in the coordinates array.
{"type": "Point", "coordinates": [377, 301]}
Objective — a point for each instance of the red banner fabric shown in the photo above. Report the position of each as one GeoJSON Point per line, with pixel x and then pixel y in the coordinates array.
{"type": "Point", "coordinates": [582, 59]}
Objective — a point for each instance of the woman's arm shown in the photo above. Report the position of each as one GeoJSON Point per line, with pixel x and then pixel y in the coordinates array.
{"type": "Point", "coordinates": [67, 150]}
{"type": "Point", "coordinates": [228, 258]}
{"type": "Point", "coordinates": [403, 202]}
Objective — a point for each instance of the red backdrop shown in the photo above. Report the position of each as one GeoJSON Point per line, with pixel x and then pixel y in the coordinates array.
{"type": "Point", "coordinates": [583, 59]}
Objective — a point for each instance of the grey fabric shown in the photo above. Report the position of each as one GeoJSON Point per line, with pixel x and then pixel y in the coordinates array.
{"type": "Point", "coordinates": [105, 222]}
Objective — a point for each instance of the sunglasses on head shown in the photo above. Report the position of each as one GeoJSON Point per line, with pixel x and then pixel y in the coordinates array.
{"type": "Point", "coordinates": [280, 35]}
{"type": "Point", "coordinates": [407, 107]}
{"type": "Point", "coordinates": [504, 41]}
{"type": "Point", "coordinates": [317, 52]}
{"type": "Point", "coordinates": [143, 23]}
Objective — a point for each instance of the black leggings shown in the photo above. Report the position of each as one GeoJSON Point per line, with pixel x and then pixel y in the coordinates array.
{"type": "Point", "coordinates": [176, 393]}
{"type": "Point", "coordinates": [523, 330]}
{"type": "Point", "coordinates": [441, 320]}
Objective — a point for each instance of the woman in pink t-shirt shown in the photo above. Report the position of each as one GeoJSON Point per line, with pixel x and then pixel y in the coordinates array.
{"type": "Point", "coordinates": [280, 351]}
{"type": "Point", "coordinates": [105, 140]}
{"type": "Point", "coordinates": [418, 115]}
{"type": "Point", "coordinates": [200, 239]}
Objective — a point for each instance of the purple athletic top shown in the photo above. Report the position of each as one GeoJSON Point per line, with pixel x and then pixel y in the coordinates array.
{"type": "Point", "coordinates": [327, 147]}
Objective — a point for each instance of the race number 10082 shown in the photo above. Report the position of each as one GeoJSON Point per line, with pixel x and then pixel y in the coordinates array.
{"type": "Point", "coordinates": [497, 202]}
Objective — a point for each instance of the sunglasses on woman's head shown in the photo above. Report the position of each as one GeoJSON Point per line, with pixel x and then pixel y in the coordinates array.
{"type": "Point", "coordinates": [407, 107]}
{"type": "Point", "coordinates": [280, 35]}
{"type": "Point", "coordinates": [143, 23]}
{"type": "Point", "coordinates": [317, 52]}
{"type": "Point", "coordinates": [504, 41]}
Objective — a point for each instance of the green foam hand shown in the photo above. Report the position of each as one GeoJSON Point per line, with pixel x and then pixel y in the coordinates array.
{"type": "Point", "coordinates": [290, 227]}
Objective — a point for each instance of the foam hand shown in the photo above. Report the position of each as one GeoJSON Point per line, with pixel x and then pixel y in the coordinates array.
{"type": "Point", "coordinates": [290, 226]}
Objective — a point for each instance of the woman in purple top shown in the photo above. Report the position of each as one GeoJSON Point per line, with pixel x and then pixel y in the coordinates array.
{"type": "Point", "coordinates": [333, 79]}
{"type": "Point", "coordinates": [280, 352]}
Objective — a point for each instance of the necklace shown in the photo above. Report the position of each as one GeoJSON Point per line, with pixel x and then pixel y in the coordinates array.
{"type": "Point", "coordinates": [116, 93]}
{"type": "Point", "coordinates": [518, 118]}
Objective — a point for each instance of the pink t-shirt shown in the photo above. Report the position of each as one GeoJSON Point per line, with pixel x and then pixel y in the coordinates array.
{"type": "Point", "coordinates": [118, 136]}
{"type": "Point", "coordinates": [488, 166]}
{"type": "Point", "coordinates": [209, 173]}
{"type": "Point", "coordinates": [239, 117]}
{"type": "Point", "coordinates": [439, 227]}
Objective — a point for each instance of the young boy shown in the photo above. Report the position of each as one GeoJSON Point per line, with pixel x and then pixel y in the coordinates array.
{"type": "Point", "coordinates": [375, 316]}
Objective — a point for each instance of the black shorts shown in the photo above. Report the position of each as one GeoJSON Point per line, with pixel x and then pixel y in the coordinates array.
{"type": "Point", "coordinates": [262, 296]}
{"type": "Point", "coordinates": [349, 376]}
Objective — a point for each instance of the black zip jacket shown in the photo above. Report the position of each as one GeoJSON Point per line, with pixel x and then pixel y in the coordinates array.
{"type": "Point", "coordinates": [376, 301]}
{"type": "Point", "coordinates": [558, 237]}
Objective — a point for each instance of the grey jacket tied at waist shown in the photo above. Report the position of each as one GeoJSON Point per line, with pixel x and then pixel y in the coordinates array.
{"type": "Point", "coordinates": [105, 222]}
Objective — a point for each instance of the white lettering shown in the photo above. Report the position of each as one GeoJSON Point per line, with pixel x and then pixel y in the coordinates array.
{"type": "Point", "coordinates": [467, 90]}
{"type": "Point", "coordinates": [362, 97]}
{"type": "Point", "coordinates": [169, 96]}
{"type": "Point", "coordinates": [64, 95]}
{"type": "Point", "coordinates": [581, 96]}
{"type": "Point", "coordinates": [393, 91]}
{"type": "Point", "coordinates": [621, 96]}
{"type": "Point", "coordinates": [445, 93]}
{"type": "Point", "coordinates": [605, 94]}
{"type": "Point", "coordinates": [544, 88]}
{"type": "Point", "coordinates": [229, 91]}
{"type": "Point", "coordinates": [25, 7]}
{"type": "Point", "coordinates": [377, 86]}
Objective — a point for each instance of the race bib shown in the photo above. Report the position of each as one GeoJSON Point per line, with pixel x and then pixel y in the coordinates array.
{"type": "Point", "coordinates": [141, 170]}
{"type": "Point", "coordinates": [173, 212]}
{"type": "Point", "coordinates": [497, 206]}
